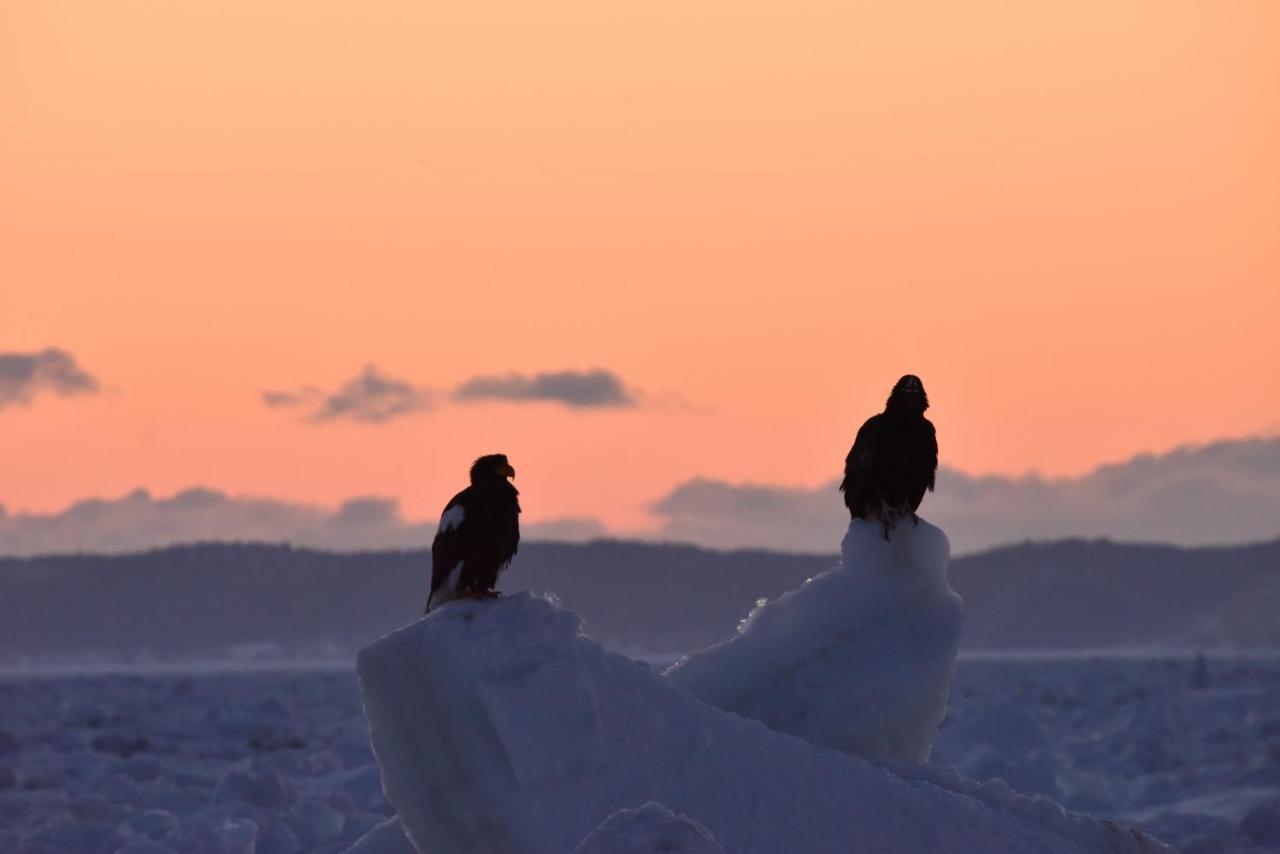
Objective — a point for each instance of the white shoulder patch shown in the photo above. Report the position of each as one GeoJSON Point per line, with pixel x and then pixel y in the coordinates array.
{"type": "Point", "coordinates": [452, 517]}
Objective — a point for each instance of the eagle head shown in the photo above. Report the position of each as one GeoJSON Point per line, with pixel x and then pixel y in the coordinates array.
{"type": "Point", "coordinates": [490, 468]}
{"type": "Point", "coordinates": [908, 396]}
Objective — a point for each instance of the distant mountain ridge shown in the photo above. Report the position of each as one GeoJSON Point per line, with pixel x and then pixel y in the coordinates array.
{"type": "Point", "coordinates": [246, 601]}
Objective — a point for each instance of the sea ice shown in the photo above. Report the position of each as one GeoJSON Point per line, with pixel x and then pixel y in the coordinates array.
{"type": "Point", "coordinates": [499, 727]}
{"type": "Point", "coordinates": [264, 789]}
{"type": "Point", "coordinates": [859, 658]}
{"type": "Point", "coordinates": [387, 838]}
{"type": "Point", "coordinates": [1080, 719]}
{"type": "Point", "coordinates": [649, 829]}
{"type": "Point", "coordinates": [1262, 824]}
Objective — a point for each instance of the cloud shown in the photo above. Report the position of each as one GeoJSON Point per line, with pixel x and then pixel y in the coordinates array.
{"type": "Point", "coordinates": [578, 389]}
{"type": "Point", "coordinates": [1224, 492]}
{"type": "Point", "coordinates": [24, 375]}
{"type": "Point", "coordinates": [371, 397]}
{"type": "Point", "coordinates": [568, 530]}
{"type": "Point", "coordinates": [374, 397]}
{"type": "Point", "coordinates": [724, 515]}
{"type": "Point", "coordinates": [301, 397]}
{"type": "Point", "coordinates": [140, 521]}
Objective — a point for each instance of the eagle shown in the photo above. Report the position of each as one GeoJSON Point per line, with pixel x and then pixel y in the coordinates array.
{"type": "Point", "coordinates": [478, 535]}
{"type": "Point", "coordinates": [894, 458]}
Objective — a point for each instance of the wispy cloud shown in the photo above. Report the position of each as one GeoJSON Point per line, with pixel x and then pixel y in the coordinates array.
{"type": "Point", "coordinates": [374, 397]}
{"type": "Point", "coordinates": [24, 375]}
{"type": "Point", "coordinates": [578, 389]}
{"type": "Point", "coordinates": [302, 397]}
{"type": "Point", "coordinates": [1224, 492]}
{"type": "Point", "coordinates": [371, 397]}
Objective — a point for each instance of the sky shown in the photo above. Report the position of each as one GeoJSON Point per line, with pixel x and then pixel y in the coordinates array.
{"type": "Point", "coordinates": [309, 252]}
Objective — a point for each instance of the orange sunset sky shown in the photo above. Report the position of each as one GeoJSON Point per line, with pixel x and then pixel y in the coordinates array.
{"type": "Point", "coordinates": [1065, 216]}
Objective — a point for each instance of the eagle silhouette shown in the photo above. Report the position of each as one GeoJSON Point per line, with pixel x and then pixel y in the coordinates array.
{"type": "Point", "coordinates": [894, 459]}
{"type": "Point", "coordinates": [478, 535]}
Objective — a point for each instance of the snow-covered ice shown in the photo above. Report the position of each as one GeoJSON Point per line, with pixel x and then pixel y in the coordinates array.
{"type": "Point", "coordinates": [649, 829]}
{"type": "Point", "coordinates": [387, 838]}
{"type": "Point", "coordinates": [262, 763]}
{"type": "Point", "coordinates": [500, 727]}
{"type": "Point", "coordinates": [1211, 759]}
{"type": "Point", "coordinates": [859, 658]}
{"type": "Point", "coordinates": [1131, 739]}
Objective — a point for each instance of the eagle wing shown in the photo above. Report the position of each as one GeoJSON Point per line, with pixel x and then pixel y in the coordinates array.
{"type": "Point", "coordinates": [478, 535]}
{"type": "Point", "coordinates": [893, 462]}
{"type": "Point", "coordinates": [859, 469]}
{"type": "Point", "coordinates": [923, 463]}
{"type": "Point", "coordinates": [451, 545]}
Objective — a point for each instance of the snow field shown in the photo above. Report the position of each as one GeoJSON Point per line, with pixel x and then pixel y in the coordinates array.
{"type": "Point", "coordinates": [1214, 761]}
{"type": "Point", "coordinates": [499, 727]}
{"type": "Point", "coordinates": [502, 728]}
{"type": "Point", "coordinates": [266, 763]}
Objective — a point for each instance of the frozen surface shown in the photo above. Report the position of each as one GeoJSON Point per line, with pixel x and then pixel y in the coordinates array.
{"type": "Point", "coordinates": [859, 658]}
{"type": "Point", "coordinates": [1127, 739]}
{"type": "Point", "coordinates": [649, 829]}
{"type": "Point", "coordinates": [1185, 749]}
{"type": "Point", "coordinates": [499, 727]}
{"type": "Point", "coordinates": [263, 763]}
{"type": "Point", "coordinates": [386, 838]}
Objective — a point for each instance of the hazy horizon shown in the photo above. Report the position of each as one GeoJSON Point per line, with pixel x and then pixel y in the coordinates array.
{"type": "Point", "coordinates": [1227, 492]}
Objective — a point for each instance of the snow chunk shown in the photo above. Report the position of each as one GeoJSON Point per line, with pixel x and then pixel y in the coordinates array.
{"type": "Point", "coordinates": [386, 838]}
{"type": "Point", "coordinates": [265, 789]}
{"type": "Point", "coordinates": [1262, 824]}
{"type": "Point", "coordinates": [213, 834]}
{"type": "Point", "coordinates": [860, 658]}
{"type": "Point", "coordinates": [144, 846]}
{"type": "Point", "coordinates": [650, 829]}
{"type": "Point", "coordinates": [499, 727]}
{"type": "Point", "coordinates": [153, 824]}
{"type": "Point", "coordinates": [1012, 729]}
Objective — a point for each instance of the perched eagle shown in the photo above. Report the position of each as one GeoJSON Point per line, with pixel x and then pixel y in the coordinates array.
{"type": "Point", "coordinates": [894, 458]}
{"type": "Point", "coordinates": [478, 535]}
